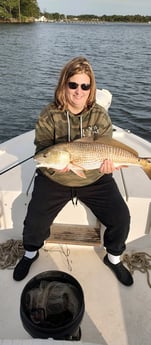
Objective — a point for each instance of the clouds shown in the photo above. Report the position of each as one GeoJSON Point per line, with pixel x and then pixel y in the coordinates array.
{"type": "Point", "coordinates": [98, 7]}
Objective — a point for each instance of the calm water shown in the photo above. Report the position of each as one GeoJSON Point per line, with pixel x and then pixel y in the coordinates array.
{"type": "Point", "coordinates": [31, 56]}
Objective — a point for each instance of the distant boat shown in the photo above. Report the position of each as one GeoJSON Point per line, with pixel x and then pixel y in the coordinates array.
{"type": "Point", "coordinates": [42, 19]}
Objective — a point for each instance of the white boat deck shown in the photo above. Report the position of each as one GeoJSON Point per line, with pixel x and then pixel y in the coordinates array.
{"type": "Point", "coordinates": [114, 314]}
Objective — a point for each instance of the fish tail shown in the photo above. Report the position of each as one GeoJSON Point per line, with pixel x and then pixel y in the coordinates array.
{"type": "Point", "coordinates": [146, 165]}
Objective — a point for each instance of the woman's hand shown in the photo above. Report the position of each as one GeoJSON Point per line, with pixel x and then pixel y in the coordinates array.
{"type": "Point", "coordinates": [107, 167]}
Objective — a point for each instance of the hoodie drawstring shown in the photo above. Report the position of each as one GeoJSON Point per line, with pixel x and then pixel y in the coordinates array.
{"type": "Point", "coordinates": [69, 126]}
{"type": "Point", "coordinates": [81, 129]}
{"type": "Point", "coordinates": [74, 196]}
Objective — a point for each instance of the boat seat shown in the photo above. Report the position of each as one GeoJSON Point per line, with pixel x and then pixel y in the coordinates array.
{"type": "Point", "coordinates": [76, 224]}
{"type": "Point", "coordinates": [138, 198]}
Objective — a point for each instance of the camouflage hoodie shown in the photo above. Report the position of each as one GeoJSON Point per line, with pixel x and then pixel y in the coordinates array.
{"type": "Point", "coordinates": [55, 126]}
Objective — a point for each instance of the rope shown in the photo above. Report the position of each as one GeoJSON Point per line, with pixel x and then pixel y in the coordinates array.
{"type": "Point", "coordinates": [139, 261]}
{"type": "Point", "coordinates": [64, 250]}
{"type": "Point", "coordinates": [10, 252]}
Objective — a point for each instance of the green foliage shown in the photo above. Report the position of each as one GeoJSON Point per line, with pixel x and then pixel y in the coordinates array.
{"type": "Point", "coordinates": [7, 7]}
{"type": "Point", "coordinates": [94, 18]}
{"type": "Point", "coordinates": [29, 8]}
{"type": "Point", "coordinates": [113, 18]}
{"type": "Point", "coordinates": [54, 16]}
{"type": "Point", "coordinates": [18, 8]}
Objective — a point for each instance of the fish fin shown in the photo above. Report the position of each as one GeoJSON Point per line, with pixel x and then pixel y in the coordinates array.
{"type": "Point", "coordinates": [79, 173]}
{"type": "Point", "coordinates": [113, 142]}
{"type": "Point", "coordinates": [85, 139]}
{"type": "Point", "coordinates": [77, 170]}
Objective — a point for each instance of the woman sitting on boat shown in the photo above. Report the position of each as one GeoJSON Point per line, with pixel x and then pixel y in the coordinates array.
{"type": "Point", "coordinates": [75, 114]}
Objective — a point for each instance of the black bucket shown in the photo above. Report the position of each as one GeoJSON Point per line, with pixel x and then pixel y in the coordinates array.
{"type": "Point", "coordinates": [52, 306]}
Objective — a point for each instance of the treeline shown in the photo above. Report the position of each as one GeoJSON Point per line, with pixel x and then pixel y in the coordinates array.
{"type": "Point", "coordinates": [18, 9]}
{"type": "Point", "coordinates": [118, 18]}
{"type": "Point", "coordinates": [94, 18]}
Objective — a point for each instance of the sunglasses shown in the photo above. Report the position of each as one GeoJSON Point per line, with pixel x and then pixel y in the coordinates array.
{"type": "Point", "coordinates": [73, 86]}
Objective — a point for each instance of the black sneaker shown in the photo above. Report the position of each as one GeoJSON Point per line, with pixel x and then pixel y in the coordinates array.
{"type": "Point", "coordinates": [121, 272]}
{"type": "Point", "coordinates": [23, 266]}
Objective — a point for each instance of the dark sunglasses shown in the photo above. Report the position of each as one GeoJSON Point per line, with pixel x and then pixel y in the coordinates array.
{"type": "Point", "coordinates": [73, 86]}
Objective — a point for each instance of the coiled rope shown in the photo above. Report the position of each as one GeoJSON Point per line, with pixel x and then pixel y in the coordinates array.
{"type": "Point", "coordinates": [10, 252]}
{"type": "Point", "coordinates": [139, 261]}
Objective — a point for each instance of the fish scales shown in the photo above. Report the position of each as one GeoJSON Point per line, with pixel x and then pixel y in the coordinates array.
{"type": "Point", "coordinates": [82, 153]}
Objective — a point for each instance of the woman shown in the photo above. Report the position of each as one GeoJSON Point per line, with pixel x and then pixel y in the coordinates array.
{"type": "Point", "coordinates": [75, 114]}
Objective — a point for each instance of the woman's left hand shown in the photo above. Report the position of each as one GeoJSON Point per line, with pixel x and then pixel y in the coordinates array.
{"type": "Point", "coordinates": [107, 167]}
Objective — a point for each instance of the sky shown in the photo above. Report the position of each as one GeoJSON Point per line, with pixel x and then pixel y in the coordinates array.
{"type": "Point", "coordinates": [97, 7]}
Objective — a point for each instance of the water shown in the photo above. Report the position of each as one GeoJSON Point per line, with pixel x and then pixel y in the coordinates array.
{"type": "Point", "coordinates": [31, 56]}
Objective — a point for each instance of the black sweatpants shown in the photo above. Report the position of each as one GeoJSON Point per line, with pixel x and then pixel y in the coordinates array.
{"type": "Point", "coordinates": [102, 197]}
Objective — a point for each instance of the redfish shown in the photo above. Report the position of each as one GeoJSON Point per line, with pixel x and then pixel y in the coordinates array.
{"type": "Point", "coordinates": [86, 154]}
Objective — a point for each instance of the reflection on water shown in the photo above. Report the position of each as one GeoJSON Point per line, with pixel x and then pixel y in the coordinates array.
{"type": "Point", "coordinates": [33, 54]}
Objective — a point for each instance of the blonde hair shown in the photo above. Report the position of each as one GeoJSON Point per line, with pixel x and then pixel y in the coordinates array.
{"type": "Point", "coordinates": [75, 66]}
